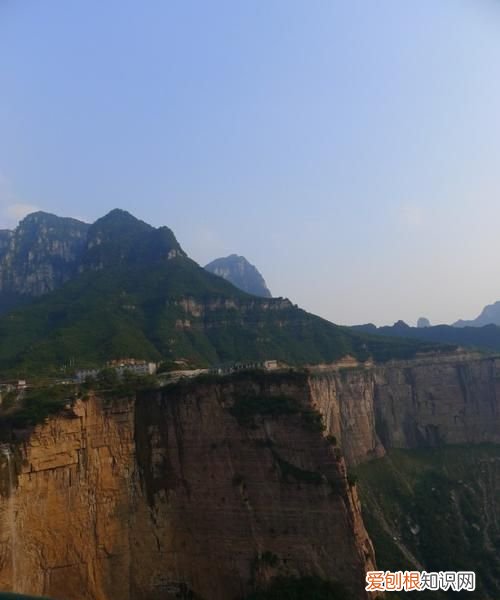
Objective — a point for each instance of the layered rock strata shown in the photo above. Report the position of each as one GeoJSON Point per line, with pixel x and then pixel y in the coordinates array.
{"type": "Point", "coordinates": [176, 494]}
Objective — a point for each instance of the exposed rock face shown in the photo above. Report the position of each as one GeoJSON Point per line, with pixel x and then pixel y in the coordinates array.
{"type": "Point", "coordinates": [5, 237]}
{"type": "Point", "coordinates": [346, 401]}
{"type": "Point", "coordinates": [490, 315]}
{"type": "Point", "coordinates": [40, 255]}
{"type": "Point", "coordinates": [432, 502]}
{"type": "Point", "coordinates": [177, 492]}
{"type": "Point", "coordinates": [423, 322]}
{"type": "Point", "coordinates": [45, 251]}
{"type": "Point", "coordinates": [69, 501]}
{"type": "Point", "coordinates": [436, 509]}
{"type": "Point", "coordinates": [426, 402]}
{"type": "Point", "coordinates": [449, 402]}
{"type": "Point", "coordinates": [171, 493]}
{"type": "Point", "coordinates": [132, 291]}
{"type": "Point", "coordinates": [198, 313]}
{"type": "Point", "coordinates": [240, 273]}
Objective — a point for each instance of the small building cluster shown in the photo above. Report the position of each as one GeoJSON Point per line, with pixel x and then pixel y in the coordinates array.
{"type": "Point", "coordinates": [139, 367]}
{"type": "Point", "coordinates": [130, 365]}
{"type": "Point", "coordinates": [9, 386]}
{"type": "Point", "coordinates": [267, 365]}
{"type": "Point", "coordinates": [6, 387]}
{"type": "Point", "coordinates": [142, 368]}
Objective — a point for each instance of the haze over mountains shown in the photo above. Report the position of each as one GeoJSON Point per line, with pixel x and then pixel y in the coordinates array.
{"type": "Point", "coordinates": [489, 315]}
{"type": "Point", "coordinates": [482, 333]}
{"type": "Point", "coordinates": [120, 286]}
{"type": "Point", "coordinates": [481, 338]}
{"type": "Point", "coordinates": [82, 294]}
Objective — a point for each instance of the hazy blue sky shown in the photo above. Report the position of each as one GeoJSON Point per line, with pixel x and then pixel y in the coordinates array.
{"type": "Point", "coordinates": [350, 149]}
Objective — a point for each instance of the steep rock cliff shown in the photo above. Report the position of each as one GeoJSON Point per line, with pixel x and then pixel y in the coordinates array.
{"type": "Point", "coordinates": [40, 254]}
{"type": "Point", "coordinates": [121, 287]}
{"type": "Point", "coordinates": [213, 487]}
{"type": "Point", "coordinates": [436, 509]}
{"type": "Point", "coordinates": [426, 402]}
{"type": "Point", "coordinates": [187, 491]}
{"type": "Point", "coordinates": [432, 502]}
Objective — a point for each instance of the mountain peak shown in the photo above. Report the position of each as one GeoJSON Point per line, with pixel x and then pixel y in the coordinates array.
{"type": "Point", "coordinates": [241, 273]}
{"type": "Point", "coordinates": [423, 322]}
{"type": "Point", "coordinates": [401, 325]}
{"type": "Point", "coordinates": [41, 217]}
{"type": "Point", "coordinates": [39, 255]}
{"type": "Point", "coordinates": [37, 215]}
{"type": "Point", "coordinates": [44, 251]}
{"type": "Point", "coordinates": [121, 218]}
{"type": "Point", "coordinates": [119, 238]}
{"type": "Point", "coordinates": [490, 315]}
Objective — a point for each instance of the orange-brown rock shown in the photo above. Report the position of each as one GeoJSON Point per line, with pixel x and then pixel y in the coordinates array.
{"type": "Point", "coordinates": [170, 494]}
{"type": "Point", "coordinates": [173, 492]}
{"type": "Point", "coordinates": [450, 399]}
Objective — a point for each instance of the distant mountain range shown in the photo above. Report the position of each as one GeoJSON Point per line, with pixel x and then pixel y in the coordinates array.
{"type": "Point", "coordinates": [240, 273]}
{"type": "Point", "coordinates": [481, 338]}
{"type": "Point", "coordinates": [78, 294]}
{"type": "Point", "coordinates": [423, 322]}
{"type": "Point", "coordinates": [489, 315]}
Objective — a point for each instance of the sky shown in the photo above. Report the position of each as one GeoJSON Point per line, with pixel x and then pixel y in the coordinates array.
{"type": "Point", "coordinates": [349, 149]}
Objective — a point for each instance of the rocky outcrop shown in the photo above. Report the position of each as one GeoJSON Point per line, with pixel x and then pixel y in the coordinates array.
{"type": "Point", "coordinates": [186, 491]}
{"type": "Point", "coordinates": [40, 255]}
{"type": "Point", "coordinates": [133, 291]}
{"type": "Point", "coordinates": [423, 322]}
{"type": "Point", "coordinates": [240, 273]}
{"type": "Point", "coordinates": [213, 487]}
{"type": "Point", "coordinates": [45, 251]}
{"type": "Point", "coordinates": [345, 398]}
{"type": "Point", "coordinates": [433, 401]}
{"type": "Point", "coordinates": [490, 315]}
{"type": "Point", "coordinates": [195, 308]}
{"type": "Point", "coordinates": [5, 237]}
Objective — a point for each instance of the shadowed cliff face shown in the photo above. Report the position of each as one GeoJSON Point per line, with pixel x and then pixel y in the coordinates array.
{"type": "Point", "coordinates": [436, 509]}
{"type": "Point", "coordinates": [433, 502]}
{"type": "Point", "coordinates": [194, 490]}
{"type": "Point", "coordinates": [421, 403]}
{"type": "Point", "coordinates": [212, 488]}
{"type": "Point", "coordinates": [38, 256]}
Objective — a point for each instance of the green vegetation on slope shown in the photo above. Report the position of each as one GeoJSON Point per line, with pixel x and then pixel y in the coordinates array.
{"type": "Point", "coordinates": [21, 410]}
{"type": "Point", "coordinates": [131, 291]}
{"type": "Point", "coordinates": [437, 509]}
{"type": "Point", "coordinates": [482, 338]}
{"type": "Point", "coordinates": [141, 311]}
